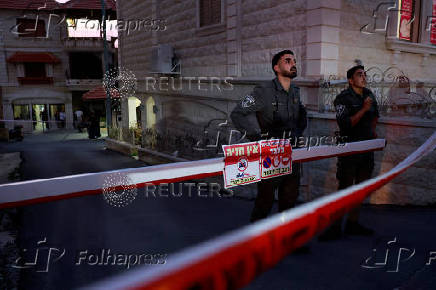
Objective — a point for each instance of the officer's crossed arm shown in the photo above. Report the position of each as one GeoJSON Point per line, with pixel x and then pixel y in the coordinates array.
{"type": "Point", "coordinates": [343, 117]}
{"type": "Point", "coordinates": [244, 115]}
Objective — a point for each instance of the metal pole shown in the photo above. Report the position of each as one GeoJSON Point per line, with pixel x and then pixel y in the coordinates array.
{"type": "Point", "coordinates": [106, 66]}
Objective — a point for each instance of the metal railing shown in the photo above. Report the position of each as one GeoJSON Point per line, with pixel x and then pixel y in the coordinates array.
{"type": "Point", "coordinates": [193, 143]}
{"type": "Point", "coordinates": [396, 95]}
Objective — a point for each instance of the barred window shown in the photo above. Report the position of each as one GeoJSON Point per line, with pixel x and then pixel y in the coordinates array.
{"type": "Point", "coordinates": [210, 12]}
{"type": "Point", "coordinates": [34, 69]}
{"type": "Point", "coordinates": [417, 21]}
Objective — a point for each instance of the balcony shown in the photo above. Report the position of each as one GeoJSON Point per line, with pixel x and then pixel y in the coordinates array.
{"type": "Point", "coordinates": [88, 43]}
{"type": "Point", "coordinates": [35, 80]}
{"type": "Point", "coordinates": [83, 82]}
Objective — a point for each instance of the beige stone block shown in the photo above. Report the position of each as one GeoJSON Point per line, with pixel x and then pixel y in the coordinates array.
{"type": "Point", "coordinates": [286, 39]}
{"type": "Point", "coordinates": [313, 67]}
{"type": "Point", "coordinates": [332, 4]}
{"type": "Point", "coordinates": [231, 22]}
{"type": "Point", "coordinates": [257, 56]}
{"type": "Point", "coordinates": [232, 70]}
{"type": "Point", "coordinates": [311, 96]}
{"type": "Point", "coordinates": [405, 135]}
{"type": "Point", "coordinates": [417, 177]}
{"type": "Point", "coordinates": [231, 10]}
{"type": "Point", "coordinates": [323, 34]}
{"type": "Point", "coordinates": [315, 34]}
{"type": "Point", "coordinates": [232, 58]}
{"type": "Point", "coordinates": [323, 178]}
{"type": "Point", "coordinates": [394, 154]}
{"type": "Point", "coordinates": [231, 46]}
{"type": "Point", "coordinates": [323, 16]}
{"type": "Point", "coordinates": [255, 70]}
{"type": "Point", "coordinates": [231, 34]}
{"type": "Point", "coordinates": [322, 51]}
{"type": "Point", "coordinates": [316, 192]}
{"type": "Point", "coordinates": [329, 67]}
{"type": "Point", "coordinates": [403, 195]}
{"type": "Point", "coordinates": [313, 51]}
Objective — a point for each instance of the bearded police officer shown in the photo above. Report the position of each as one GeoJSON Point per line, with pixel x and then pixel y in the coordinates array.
{"type": "Point", "coordinates": [357, 115]}
{"type": "Point", "coordinates": [274, 110]}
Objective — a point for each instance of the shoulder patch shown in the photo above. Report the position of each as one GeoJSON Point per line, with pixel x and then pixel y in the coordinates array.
{"type": "Point", "coordinates": [248, 101]}
{"type": "Point", "coordinates": [340, 110]}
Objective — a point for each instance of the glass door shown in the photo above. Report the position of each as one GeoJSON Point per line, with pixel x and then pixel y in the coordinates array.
{"type": "Point", "coordinates": [40, 117]}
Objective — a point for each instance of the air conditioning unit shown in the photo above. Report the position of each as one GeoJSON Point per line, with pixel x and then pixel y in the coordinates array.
{"type": "Point", "coordinates": [163, 60]}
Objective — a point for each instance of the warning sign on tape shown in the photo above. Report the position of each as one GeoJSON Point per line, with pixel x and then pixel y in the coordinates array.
{"type": "Point", "coordinates": [45, 190]}
{"type": "Point", "coordinates": [241, 164]}
{"type": "Point", "coordinates": [236, 258]}
{"type": "Point", "coordinates": [250, 162]}
{"type": "Point", "coordinates": [276, 158]}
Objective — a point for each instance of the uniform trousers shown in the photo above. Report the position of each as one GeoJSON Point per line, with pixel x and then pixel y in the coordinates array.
{"type": "Point", "coordinates": [352, 170]}
{"type": "Point", "coordinates": [288, 190]}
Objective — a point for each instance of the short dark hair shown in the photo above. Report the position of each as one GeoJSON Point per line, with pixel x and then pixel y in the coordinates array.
{"type": "Point", "coordinates": [352, 70]}
{"type": "Point", "coordinates": [277, 57]}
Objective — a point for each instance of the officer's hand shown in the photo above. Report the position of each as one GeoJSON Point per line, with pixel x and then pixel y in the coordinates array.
{"type": "Point", "coordinates": [367, 104]}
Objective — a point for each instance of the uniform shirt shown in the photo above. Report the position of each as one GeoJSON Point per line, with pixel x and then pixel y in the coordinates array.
{"type": "Point", "coordinates": [347, 104]}
{"type": "Point", "coordinates": [271, 110]}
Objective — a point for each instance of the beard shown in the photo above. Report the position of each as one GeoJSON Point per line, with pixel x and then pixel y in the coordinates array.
{"type": "Point", "coordinates": [290, 74]}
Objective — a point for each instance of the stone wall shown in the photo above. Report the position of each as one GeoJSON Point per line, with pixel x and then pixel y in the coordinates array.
{"type": "Point", "coordinates": [413, 187]}
{"type": "Point", "coordinates": [252, 31]}
{"type": "Point", "coordinates": [13, 43]}
{"type": "Point", "coordinates": [326, 37]}
{"type": "Point", "coordinates": [268, 27]}
{"type": "Point", "coordinates": [10, 43]}
{"type": "Point", "coordinates": [418, 61]}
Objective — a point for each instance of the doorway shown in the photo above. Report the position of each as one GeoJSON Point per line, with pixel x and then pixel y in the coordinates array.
{"type": "Point", "coordinates": [57, 113]}
{"type": "Point", "coordinates": [150, 112]}
{"type": "Point", "coordinates": [40, 117]}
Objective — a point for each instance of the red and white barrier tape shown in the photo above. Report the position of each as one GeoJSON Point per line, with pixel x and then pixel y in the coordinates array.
{"type": "Point", "coordinates": [36, 191]}
{"type": "Point", "coordinates": [32, 121]}
{"type": "Point", "coordinates": [234, 259]}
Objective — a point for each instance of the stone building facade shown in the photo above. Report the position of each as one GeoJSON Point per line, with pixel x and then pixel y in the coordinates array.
{"type": "Point", "coordinates": [39, 72]}
{"type": "Point", "coordinates": [212, 43]}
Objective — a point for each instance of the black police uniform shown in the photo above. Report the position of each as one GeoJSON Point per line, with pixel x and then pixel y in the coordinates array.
{"type": "Point", "coordinates": [271, 112]}
{"type": "Point", "coordinates": [358, 167]}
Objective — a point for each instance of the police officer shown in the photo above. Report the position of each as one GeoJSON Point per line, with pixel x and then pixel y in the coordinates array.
{"type": "Point", "coordinates": [357, 115]}
{"type": "Point", "coordinates": [274, 110]}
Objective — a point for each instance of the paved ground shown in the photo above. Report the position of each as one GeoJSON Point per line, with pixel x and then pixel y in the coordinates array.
{"type": "Point", "coordinates": [9, 163]}
{"type": "Point", "coordinates": [166, 225]}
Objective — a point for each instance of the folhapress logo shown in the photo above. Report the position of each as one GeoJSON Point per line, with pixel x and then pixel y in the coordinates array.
{"type": "Point", "coordinates": [41, 259]}
{"type": "Point", "coordinates": [391, 255]}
